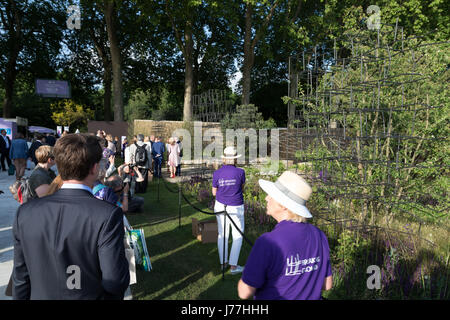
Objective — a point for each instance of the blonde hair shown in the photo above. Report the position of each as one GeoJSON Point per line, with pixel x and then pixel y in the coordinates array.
{"type": "Point", "coordinates": [43, 153]}
{"type": "Point", "coordinates": [109, 137]}
{"type": "Point", "coordinates": [55, 185]}
{"type": "Point", "coordinates": [295, 217]}
{"type": "Point", "coordinates": [231, 162]}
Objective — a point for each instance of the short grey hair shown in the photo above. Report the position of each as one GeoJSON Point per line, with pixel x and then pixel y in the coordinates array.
{"type": "Point", "coordinates": [140, 137]}
{"type": "Point", "coordinates": [114, 182]}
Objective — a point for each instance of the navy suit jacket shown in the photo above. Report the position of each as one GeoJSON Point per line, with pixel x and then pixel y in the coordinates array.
{"type": "Point", "coordinates": [3, 148]}
{"type": "Point", "coordinates": [69, 228]}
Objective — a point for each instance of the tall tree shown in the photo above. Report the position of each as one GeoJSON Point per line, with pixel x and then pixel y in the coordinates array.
{"type": "Point", "coordinates": [252, 35]}
{"type": "Point", "coordinates": [12, 19]}
{"type": "Point", "coordinates": [110, 11]}
{"type": "Point", "coordinates": [181, 16]}
{"type": "Point", "coordinates": [30, 39]}
{"type": "Point", "coordinates": [216, 45]}
{"type": "Point", "coordinates": [298, 26]}
{"type": "Point", "coordinates": [99, 37]}
{"type": "Point", "coordinates": [199, 29]}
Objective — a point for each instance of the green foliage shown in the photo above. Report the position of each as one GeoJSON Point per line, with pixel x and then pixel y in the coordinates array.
{"type": "Point", "coordinates": [68, 113]}
{"type": "Point", "coordinates": [169, 109]}
{"type": "Point", "coordinates": [246, 117]}
{"type": "Point", "coordinates": [138, 106]}
{"type": "Point", "coordinates": [417, 166]}
{"type": "Point", "coordinates": [157, 103]}
{"type": "Point", "coordinates": [270, 103]}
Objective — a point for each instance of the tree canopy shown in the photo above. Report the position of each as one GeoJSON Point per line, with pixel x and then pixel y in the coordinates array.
{"type": "Point", "coordinates": [176, 49]}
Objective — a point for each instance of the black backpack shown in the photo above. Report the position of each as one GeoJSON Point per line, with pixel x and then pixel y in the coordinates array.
{"type": "Point", "coordinates": [140, 157]}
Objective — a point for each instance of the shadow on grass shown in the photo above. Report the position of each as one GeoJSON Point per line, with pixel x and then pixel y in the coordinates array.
{"type": "Point", "coordinates": [182, 267]}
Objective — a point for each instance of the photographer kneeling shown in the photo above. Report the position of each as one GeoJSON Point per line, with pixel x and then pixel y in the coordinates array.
{"type": "Point", "coordinates": [129, 175]}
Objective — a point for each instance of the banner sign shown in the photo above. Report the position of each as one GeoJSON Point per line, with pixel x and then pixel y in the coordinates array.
{"type": "Point", "coordinates": [53, 88]}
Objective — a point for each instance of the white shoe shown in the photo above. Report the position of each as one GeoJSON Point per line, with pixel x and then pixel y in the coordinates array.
{"type": "Point", "coordinates": [238, 269]}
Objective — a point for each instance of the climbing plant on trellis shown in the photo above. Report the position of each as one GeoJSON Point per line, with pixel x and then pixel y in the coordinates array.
{"type": "Point", "coordinates": [372, 127]}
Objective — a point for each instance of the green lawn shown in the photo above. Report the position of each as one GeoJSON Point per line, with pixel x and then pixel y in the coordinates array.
{"type": "Point", "coordinates": [183, 267]}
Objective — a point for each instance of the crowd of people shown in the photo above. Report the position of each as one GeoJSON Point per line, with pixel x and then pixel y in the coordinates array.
{"type": "Point", "coordinates": [82, 157]}
{"type": "Point", "coordinates": [290, 262]}
{"type": "Point", "coordinates": [20, 153]}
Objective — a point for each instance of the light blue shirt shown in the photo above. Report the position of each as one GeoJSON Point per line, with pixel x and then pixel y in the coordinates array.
{"type": "Point", "coordinates": [76, 186]}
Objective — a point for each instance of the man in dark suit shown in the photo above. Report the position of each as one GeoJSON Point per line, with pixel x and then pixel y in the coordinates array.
{"type": "Point", "coordinates": [5, 144]}
{"type": "Point", "coordinates": [70, 245]}
{"type": "Point", "coordinates": [40, 141]}
{"type": "Point", "coordinates": [50, 140]}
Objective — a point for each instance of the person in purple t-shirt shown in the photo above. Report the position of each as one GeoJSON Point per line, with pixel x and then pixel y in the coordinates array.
{"type": "Point", "coordinates": [292, 262]}
{"type": "Point", "coordinates": [227, 186]}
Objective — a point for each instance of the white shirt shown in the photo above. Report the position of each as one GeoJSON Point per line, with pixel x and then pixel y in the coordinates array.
{"type": "Point", "coordinates": [76, 186]}
{"type": "Point", "coordinates": [127, 155]}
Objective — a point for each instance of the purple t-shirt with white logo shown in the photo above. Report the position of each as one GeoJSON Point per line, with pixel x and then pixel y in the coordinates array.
{"type": "Point", "coordinates": [229, 180]}
{"type": "Point", "coordinates": [289, 263]}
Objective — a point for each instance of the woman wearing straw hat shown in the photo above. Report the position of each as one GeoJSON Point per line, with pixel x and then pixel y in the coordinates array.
{"type": "Point", "coordinates": [228, 182]}
{"type": "Point", "coordinates": [291, 262]}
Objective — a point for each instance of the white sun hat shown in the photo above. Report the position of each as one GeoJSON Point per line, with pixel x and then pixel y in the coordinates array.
{"type": "Point", "coordinates": [291, 191]}
{"type": "Point", "coordinates": [230, 153]}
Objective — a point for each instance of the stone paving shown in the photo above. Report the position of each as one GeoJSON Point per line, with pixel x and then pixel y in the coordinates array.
{"type": "Point", "coordinates": [8, 207]}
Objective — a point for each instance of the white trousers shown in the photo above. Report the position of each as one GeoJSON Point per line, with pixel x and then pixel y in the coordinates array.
{"type": "Point", "coordinates": [236, 213]}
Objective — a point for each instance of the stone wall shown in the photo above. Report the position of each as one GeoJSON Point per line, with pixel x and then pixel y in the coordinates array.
{"type": "Point", "coordinates": [290, 140]}
{"type": "Point", "coordinates": [115, 128]}
{"type": "Point", "coordinates": [166, 128]}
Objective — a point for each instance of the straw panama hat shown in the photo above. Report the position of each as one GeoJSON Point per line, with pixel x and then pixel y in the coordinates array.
{"type": "Point", "coordinates": [230, 153]}
{"type": "Point", "coordinates": [291, 191]}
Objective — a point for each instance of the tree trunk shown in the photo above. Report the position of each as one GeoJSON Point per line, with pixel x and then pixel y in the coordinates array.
{"type": "Point", "coordinates": [10, 78]}
{"type": "Point", "coordinates": [293, 89]}
{"type": "Point", "coordinates": [107, 83]}
{"type": "Point", "coordinates": [189, 73]}
{"type": "Point", "coordinates": [248, 56]}
{"type": "Point", "coordinates": [116, 60]}
{"type": "Point", "coordinates": [15, 45]}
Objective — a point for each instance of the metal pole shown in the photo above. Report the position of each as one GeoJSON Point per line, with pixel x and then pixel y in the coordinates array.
{"type": "Point", "coordinates": [158, 187]}
{"type": "Point", "coordinates": [223, 249]}
{"type": "Point", "coordinates": [179, 205]}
